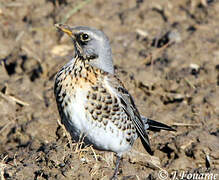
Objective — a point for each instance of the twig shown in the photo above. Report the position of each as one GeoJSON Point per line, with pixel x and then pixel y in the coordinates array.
{"type": "Point", "coordinates": [6, 97]}
{"type": "Point", "coordinates": [150, 159]}
{"type": "Point", "coordinates": [187, 144]}
{"type": "Point", "coordinates": [13, 4]}
{"type": "Point", "coordinates": [189, 83]}
{"type": "Point", "coordinates": [19, 36]}
{"type": "Point", "coordinates": [185, 124]}
{"type": "Point", "coordinates": [2, 62]}
{"type": "Point", "coordinates": [155, 53]}
{"type": "Point", "coordinates": [5, 127]}
{"type": "Point", "coordinates": [95, 155]}
{"type": "Point", "coordinates": [2, 167]}
{"type": "Point", "coordinates": [74, 10]}
{"type": "Point", "coordinates": [31, 54]}
{"type": "Point", "coordinates": [66, 133]}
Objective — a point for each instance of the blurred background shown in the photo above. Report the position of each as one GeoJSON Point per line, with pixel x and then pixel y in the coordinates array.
{"type": "Point", "coordinates": [165, 51]}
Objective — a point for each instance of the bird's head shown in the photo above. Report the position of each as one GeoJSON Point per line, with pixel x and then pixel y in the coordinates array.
{"type": "Point", "coordinates": [90, 44]}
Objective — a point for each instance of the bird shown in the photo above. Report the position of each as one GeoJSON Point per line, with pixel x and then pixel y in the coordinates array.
{"type": "Point", "coordinates": [93, 102]}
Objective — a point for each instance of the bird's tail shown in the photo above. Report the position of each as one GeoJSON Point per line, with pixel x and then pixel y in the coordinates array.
{"type": "Point", "coordinates": [155, 126]}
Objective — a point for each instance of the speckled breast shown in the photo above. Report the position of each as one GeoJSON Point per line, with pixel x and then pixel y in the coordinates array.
{"type": "Point", "coordinates": [87, 107]}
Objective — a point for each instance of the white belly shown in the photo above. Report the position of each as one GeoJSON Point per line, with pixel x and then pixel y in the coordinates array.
{"type": "Point", "coordinates": [82, 123]}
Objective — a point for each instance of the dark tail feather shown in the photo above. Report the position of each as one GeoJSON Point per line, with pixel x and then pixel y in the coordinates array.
{"type": "Point", "coordinates": [147, 146]}
{"type": "Point", "coordinates": [157, 126]}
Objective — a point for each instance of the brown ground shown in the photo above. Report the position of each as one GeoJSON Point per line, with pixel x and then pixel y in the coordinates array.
{"type": "Point", "coordinates": [175, 83]}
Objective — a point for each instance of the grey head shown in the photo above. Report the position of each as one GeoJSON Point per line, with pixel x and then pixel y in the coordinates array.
{"type": "Point", "coordinates": [92, 45]}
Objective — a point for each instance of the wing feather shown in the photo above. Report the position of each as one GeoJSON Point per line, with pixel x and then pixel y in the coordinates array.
{"type": "Point", "coordinates": [128, 105]}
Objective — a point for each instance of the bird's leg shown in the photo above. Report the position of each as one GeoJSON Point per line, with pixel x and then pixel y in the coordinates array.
{"type": "Point", "coordinates": [118, 158]}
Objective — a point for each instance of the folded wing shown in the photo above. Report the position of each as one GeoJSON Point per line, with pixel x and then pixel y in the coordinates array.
{"type": "Point", "coordinates": [126, 101]}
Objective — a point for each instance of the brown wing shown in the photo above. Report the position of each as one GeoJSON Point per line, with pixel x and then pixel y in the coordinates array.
{"type": "Point", "coordinates": [126, 101]}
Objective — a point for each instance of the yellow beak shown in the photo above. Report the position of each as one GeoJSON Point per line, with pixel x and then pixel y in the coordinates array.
{"type": "Point", "coordinates": [64, 28]}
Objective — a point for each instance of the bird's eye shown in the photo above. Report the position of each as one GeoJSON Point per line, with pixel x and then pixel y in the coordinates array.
{"type": "Point", "coordinates": [85, 37]}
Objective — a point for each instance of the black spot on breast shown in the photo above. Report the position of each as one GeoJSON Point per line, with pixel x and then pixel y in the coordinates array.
{"type": "Point", "coordinates": [115, 109]}
{"type": "Point", "coordinates": [65, 77]}
{"type": "Point", "coordinates": [102, 99]}
{"type": "Point", "coordinates": [94, 96]}
{"type": "Point", "coordinates": [124, 128]}
{"type": "Point", "coordinates": [108, 111]}
{"type": "Point", "coordinates": [94, 117]}
{"type": "Point", "coordinates": [95, 88]}
{"type": "Point", "coordinates": [99, 106]}
{"type": "Point", "coordinates": [87, 68]}
{"type": "Point", "coordinates": [113, 113]}
{"type": "Point", "coordinates": [95, 74]}
{"type": "Point", "coordinates": [128, 140]}
{"type": "Point", "coordinates": [69, 72]}
{"type": "Point", "coordinates": [98, 113]}
{"type": "Point", "coordinates": [91, 111]}
{"type": "Point", "coordinates": [99, 98]}
{"type": "Point", "coordinates": [99, 119]}
{"type": "Point", "coordinates": [116, 105]}
{"type": "Point", "coordinates": [103, 90]}
{"type": "Point", "coordinates": [116, 122]}
{"type": "Point", "coordinates": [105, 122]}
{"type": "Point", "coordinates": [108, 96]}
{"type": "Point", "coordinates": [109, 101]}
{"type": "Point", "coordinates": [105, 108]}
{"type": "Point", "coordinates": [105, 116]}
{"type": "Point", "coordinates": [116, 101]}
{"type": "Point", "coordinates": [66, 104]}
{"type": "Point", "coordinates": [80, 68]}
{"type": "Point", "coordinates": [64, 94]}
